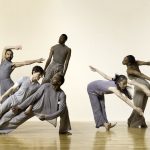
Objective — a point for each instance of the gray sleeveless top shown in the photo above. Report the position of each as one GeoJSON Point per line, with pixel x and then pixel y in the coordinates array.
{"type": "Point", "coordinates": [100, 86]}
{"type": "Point", "coordinates": [5, 72]}
{"type": "Point", "coordinates": [5, 69]}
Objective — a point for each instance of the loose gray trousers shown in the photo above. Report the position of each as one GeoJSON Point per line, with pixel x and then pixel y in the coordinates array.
{"type": "Point", "coordinates": [139, 100]}
{"type": "Point", "coordinates": [98, 107]}
{"type": "Point", "coordinates": [16, 121]}
{"type": "Point", "coordinates": [51, 70]}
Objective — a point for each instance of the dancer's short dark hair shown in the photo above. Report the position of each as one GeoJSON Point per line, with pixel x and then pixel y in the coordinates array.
{"type": "Point", "coordinates": [119, 78]}
{"type": "Point", "coordinates": [131, 59]}
{"type": "Point", "coordinates": [8, 50]}
{"type": "Point", "coordinates": [66, 37]}
{"type": "Point", "coordinates": [38, 69]}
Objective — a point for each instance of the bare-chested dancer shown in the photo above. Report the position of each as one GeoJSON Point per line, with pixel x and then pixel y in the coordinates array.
{"type": "Point", "coordinates": [140, 97]}
{"type": "Point", "coordinates": [61, 56]}
{"type": "Point", "coordinates": [7, 66]}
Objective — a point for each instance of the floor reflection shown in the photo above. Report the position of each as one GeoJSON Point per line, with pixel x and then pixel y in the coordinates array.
{"type": "Point", "coordinates": [101, 139]}
{"type": "Point", "coordinates": [138, 137]}
{"type": "Point", "coordinates": [65, 141]}
{"type": "Point", "coordinates": [23, 142]}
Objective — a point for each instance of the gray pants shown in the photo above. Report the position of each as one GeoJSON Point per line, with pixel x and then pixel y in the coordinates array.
{"type": "Point", "coordinates": [14, 122]}
{"type": "Point", "coordinates": [8, 125]}
{"type": "Point", "coordinates": [5, 85]}
{"type": "Point", "coordinates": [135, 120]}
{"type": "Point", "coordinates": [52, 69]}
{"type": "Point", "coordinates": [98, 107]}
{"type": "Point", "coordinates": [6, 105]}
{"type": "Point", "coordinates": [140, 100]}
{"type": "Point", "coordinates": [6, 117]}
{"type": "Point", "coordinates": [65, 122]}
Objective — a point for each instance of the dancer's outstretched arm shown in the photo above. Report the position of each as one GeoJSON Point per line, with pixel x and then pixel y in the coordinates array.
{"type": "Point", "coordinates": [9, 91]}
{"type": "Point", "coordinates": [17, 47]}
{"type": "Point", "coordinates": [143, 62]}
{"type": "Point", "coordinates": [143, 87]}
{"type": "Point", "coordinates": [67, 62]}
{"type": "Point", "coordinates": [101, 73]}
{"type": "Point", "coordinates": [138, 74]}
{"type": "Point", "coordinates": [62, 107]}
{"type": "Point", "coordinates": [49, 59]}
{"type": "Point", "coordinates": [31, 100]}
{"type": "Point", "coordinates": [126, 100]}
{"type": "Point", "coordinates": [27, 62]}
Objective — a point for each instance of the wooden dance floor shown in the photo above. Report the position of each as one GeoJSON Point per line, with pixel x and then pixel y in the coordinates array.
{"type": "Point", "coordinates": [43, 136]}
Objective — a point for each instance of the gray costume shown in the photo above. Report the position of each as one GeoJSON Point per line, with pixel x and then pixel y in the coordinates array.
{"type": "Point", "coordinates": [96, 91]}
{"type": "Point", "coordinates": [59, 56]}
{"type": "Point", "coordinates": [6, 68]}
{"type": "Point", "coordinates": [52, 69]}
{"type": "Point", "coordinates": [26, 88]}
{"type": "Point", "coordinates": [140, 100]}
{"type": "Point", "coordinates": [45, 101]}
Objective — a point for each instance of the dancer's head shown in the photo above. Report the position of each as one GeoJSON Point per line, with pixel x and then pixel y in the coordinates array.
{"type": "Point", "coordinates": [121, 83]}
{"type": "Point", "coordinates": [63, 38]}
{"type": "Point", "coordinates": [57, 80]}
{"type": "Point", "coordinates": [129, 60]}
{"type": "Point", "coordinates": [8, 54]}
{"type": "Point", "coordinates": [37, 73]}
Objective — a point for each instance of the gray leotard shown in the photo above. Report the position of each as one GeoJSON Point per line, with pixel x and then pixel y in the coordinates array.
{"type": "Point", "coordinates": [100, 86]}
{"type": "Point", "coordinates": [5, 72]}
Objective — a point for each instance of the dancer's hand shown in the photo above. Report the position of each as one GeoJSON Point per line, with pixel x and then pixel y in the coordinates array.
{"type": "Point", "coordinates": [40, 60]}
{"type": "Point", "coordinates": [109, 125]}
{"type": "Point", "coordinates": [18, 47]}
{"type": "Point", "coordinates": [93, 69]}
{"type": "Point", "coordinates": [139, 110]}
{"type": "Point", "coordinates": [42, 117]}
{"type": "Point", "coordinates": [16, 109]}
{"type": "Point", "coordinates": [28, 111]}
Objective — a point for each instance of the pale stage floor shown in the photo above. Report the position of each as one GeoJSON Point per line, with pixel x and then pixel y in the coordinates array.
{"type": "Point", "coordinates": [43, 136]}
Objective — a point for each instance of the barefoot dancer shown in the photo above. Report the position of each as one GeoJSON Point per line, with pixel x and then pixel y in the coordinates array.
{"type": "Point", "coordinates": [96, 91]}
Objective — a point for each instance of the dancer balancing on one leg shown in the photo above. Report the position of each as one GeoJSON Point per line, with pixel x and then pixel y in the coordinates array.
{"type": "Point", "coordinates": [97, 89]}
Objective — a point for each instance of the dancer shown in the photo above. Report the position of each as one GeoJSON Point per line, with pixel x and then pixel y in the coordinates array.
{"type": "Point", "coordinates": [96, 91]}
{"type": "Point", "coordinates": [25, 87]}
{"type": "Point", "coordinates": [140, 98]}
{"type": "Point", "coordinates": [7, 66]}
{"type": "Point", "coordinates": [49, 102]}
{"type": "Point", "coordinates": [61, 56]}
{"type": "Point", "coordinates": [18, 47]}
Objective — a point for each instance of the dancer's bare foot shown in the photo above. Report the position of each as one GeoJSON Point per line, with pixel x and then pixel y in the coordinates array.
{"type": "Point", "coordinates": [16, 109]}
{"type": "Point", "coordinates": [28, 111]}
{"type": "Point", "coordinates": [109, 125]}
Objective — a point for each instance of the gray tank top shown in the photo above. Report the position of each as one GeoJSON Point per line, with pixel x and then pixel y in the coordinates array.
{"type": "Point", "coordinates": [101, 86]}
{"type": "Point", "coordinates": [5, 69]}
